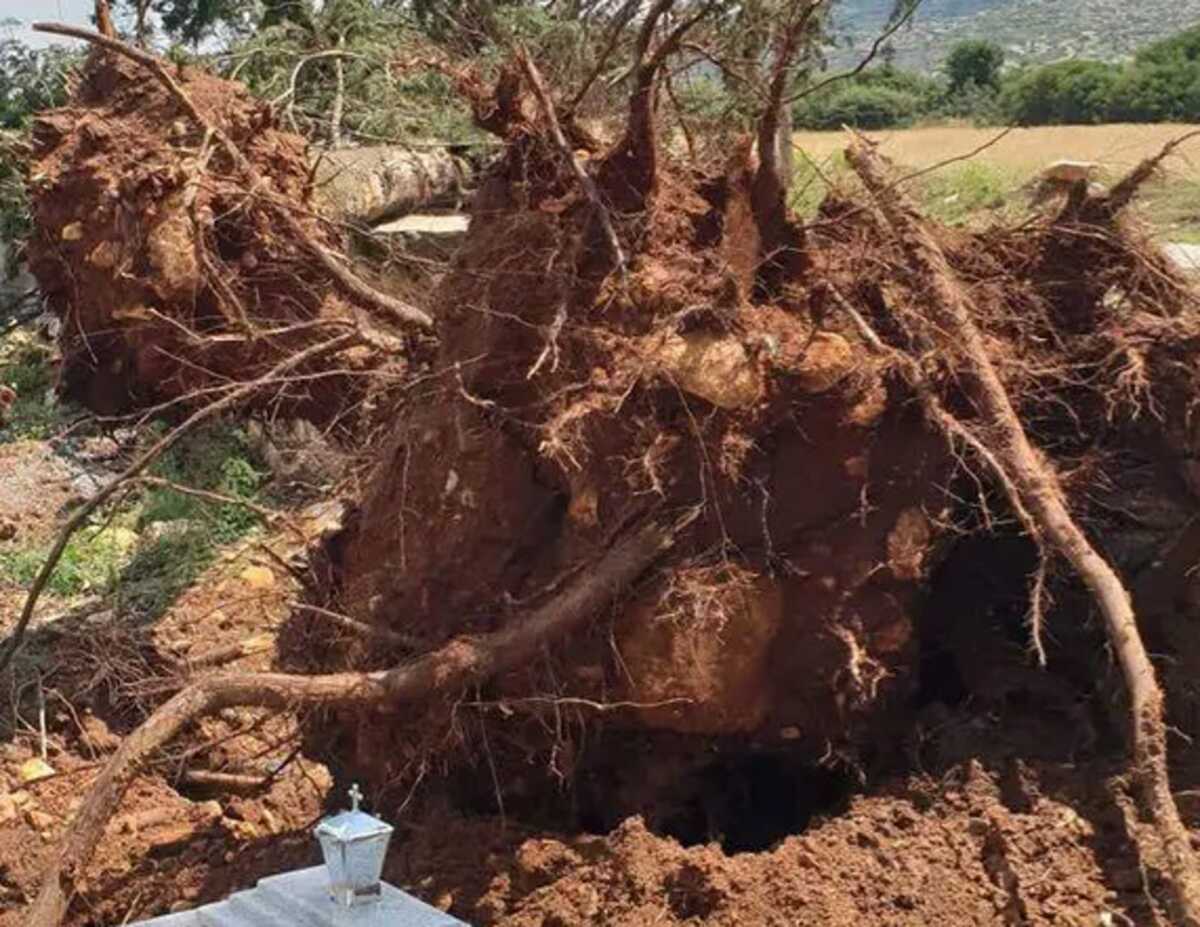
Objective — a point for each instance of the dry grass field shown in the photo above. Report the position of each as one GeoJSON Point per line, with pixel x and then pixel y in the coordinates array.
{"type": "Point", "coordinates": [993, 179]}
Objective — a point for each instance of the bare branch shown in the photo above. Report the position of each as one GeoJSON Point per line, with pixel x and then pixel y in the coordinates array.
{"type": "Point", "coordinates": [895, 26]}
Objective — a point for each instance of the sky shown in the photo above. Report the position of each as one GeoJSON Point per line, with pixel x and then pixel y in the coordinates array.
{"type": "Point", "coordinates": [76, 12]}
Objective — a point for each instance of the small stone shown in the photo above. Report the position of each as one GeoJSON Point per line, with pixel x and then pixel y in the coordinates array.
{"type": "Point", "coordinates": [445, 901]}
{"type": "Point", "coordinates": [258, 577]}
{"type": "Point", "coordinates": [244, 830]}
{"type": "Point", "coordinates": [72, 231]}
{"type": "Point", "coordinates": [35, 769]}
{"type": "Point", "coordinates": [8, 809]}
{"type": "Point", "coordinates": [41, 821]}
{"type": "Point", "coordinates": [21, 798]}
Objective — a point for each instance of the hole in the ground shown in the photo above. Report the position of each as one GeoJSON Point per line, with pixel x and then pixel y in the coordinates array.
{"type": "Point", "coordinates": [743, 799]}
{"type": "Point", "coordinates": [749, 802]}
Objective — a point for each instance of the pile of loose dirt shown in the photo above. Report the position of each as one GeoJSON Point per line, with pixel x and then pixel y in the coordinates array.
{"type": "Point", "coordinates": [1021, 845]}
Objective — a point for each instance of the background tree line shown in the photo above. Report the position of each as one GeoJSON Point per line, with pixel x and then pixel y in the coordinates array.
{"type": "Point", "coordinates": [1160, 84]}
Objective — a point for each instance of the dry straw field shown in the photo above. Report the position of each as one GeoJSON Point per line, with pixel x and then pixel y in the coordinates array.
{"type": "Point", "coordinates": [993, 178]}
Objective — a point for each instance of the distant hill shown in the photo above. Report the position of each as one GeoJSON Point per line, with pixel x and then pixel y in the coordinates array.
{"type": "Point", "coordinates": [1030, 30]}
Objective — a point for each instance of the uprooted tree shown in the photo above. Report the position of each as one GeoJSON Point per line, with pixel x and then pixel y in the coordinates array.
{"type": "Point", "coordinates": [644, 362]}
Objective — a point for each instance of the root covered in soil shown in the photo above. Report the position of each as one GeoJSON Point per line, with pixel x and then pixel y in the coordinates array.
{"type": "Point", "coordinates": [177, 241]}
{"type": "Point", "coordinates": [722, 372]}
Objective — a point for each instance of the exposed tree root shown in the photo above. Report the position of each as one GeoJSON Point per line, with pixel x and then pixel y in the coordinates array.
{"type": "Point", "coordinates": [368, 295]}
{"type": "Point", "coordinates": [951, 328]}
{"type": "Point", "coordinates": [538, 86]}
{"type": "Point", "coordinates": [462, 662]}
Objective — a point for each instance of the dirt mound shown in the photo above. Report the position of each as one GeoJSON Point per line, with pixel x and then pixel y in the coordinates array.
{"type": "Point", "coordinates": [170, 273]}
{"type": "Point", "coordinates": [977, 847]}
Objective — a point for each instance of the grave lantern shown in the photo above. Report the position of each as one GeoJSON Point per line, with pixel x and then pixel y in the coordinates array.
{"type": "Point", "coordinates": [354, 845]}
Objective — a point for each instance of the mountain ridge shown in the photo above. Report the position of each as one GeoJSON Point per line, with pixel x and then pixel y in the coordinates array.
{"type": "Point", "coordinates": [1031, 31]}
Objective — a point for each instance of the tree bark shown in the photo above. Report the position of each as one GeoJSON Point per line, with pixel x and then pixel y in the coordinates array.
{"type": "Point", "coordinates": [339, 100]}
{"type": "Point", "coordinates": [462, 662]}
{"type": "Point", "coordinates": [952, 317]}
{"type": "Point", "coordinates": [380, 183]}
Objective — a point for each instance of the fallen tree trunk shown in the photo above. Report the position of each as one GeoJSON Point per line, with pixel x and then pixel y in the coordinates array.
{"type": "Point", "coordinates": [951, 328]}
{"type": "Point", "coordinates": [377, 184]}
{"type": "Point", "coordinates": [462, 662]}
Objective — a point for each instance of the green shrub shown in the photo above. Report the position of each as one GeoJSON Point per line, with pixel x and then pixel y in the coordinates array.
{"type": "Point", "coordinates": [1067, 92]}
{"type": "Point", "coordinates": [1183, 46]}
{"type": "Point", "coordinates": [704, 99]}
{"type": "Point", "coordinates": [975, 61]}
{"type": "Point", "coordinates": [1160, 92]}
{"type": "Point", "coordinates": [859, 105]}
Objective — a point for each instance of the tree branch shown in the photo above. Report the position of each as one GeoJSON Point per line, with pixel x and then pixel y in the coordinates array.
{"type": "Point", "coordinates": [899, 22]}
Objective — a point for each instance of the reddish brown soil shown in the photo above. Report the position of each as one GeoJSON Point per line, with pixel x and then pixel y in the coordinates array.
{"type": "Point", "coordinates": [831, 667]}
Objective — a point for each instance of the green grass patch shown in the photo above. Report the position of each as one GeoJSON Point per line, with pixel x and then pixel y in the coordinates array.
{"type": "Point", "coordinates": [812, 178]}
{"type": "Point", "coordinates": [1173, 208]}
{"type": "Point", "coordinates": [216, 459]}
{"type": "Point", "coordinates": [151, 549]}
{"type": "Point", "coordinates": [91, 562]}
{"type": "Point", "coordinates": [961, 193]}
{"type": "Point", "coordinates": [25, 366]}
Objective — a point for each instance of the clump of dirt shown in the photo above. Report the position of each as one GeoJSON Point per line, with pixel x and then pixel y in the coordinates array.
{"type": "Point", "coordinates": [1016, 845]}
{"type": "Point", "coordinates": [170, 275]}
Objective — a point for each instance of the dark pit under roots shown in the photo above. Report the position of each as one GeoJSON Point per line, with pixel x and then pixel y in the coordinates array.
{"type": "Point", "coordinates": [979, 696]}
